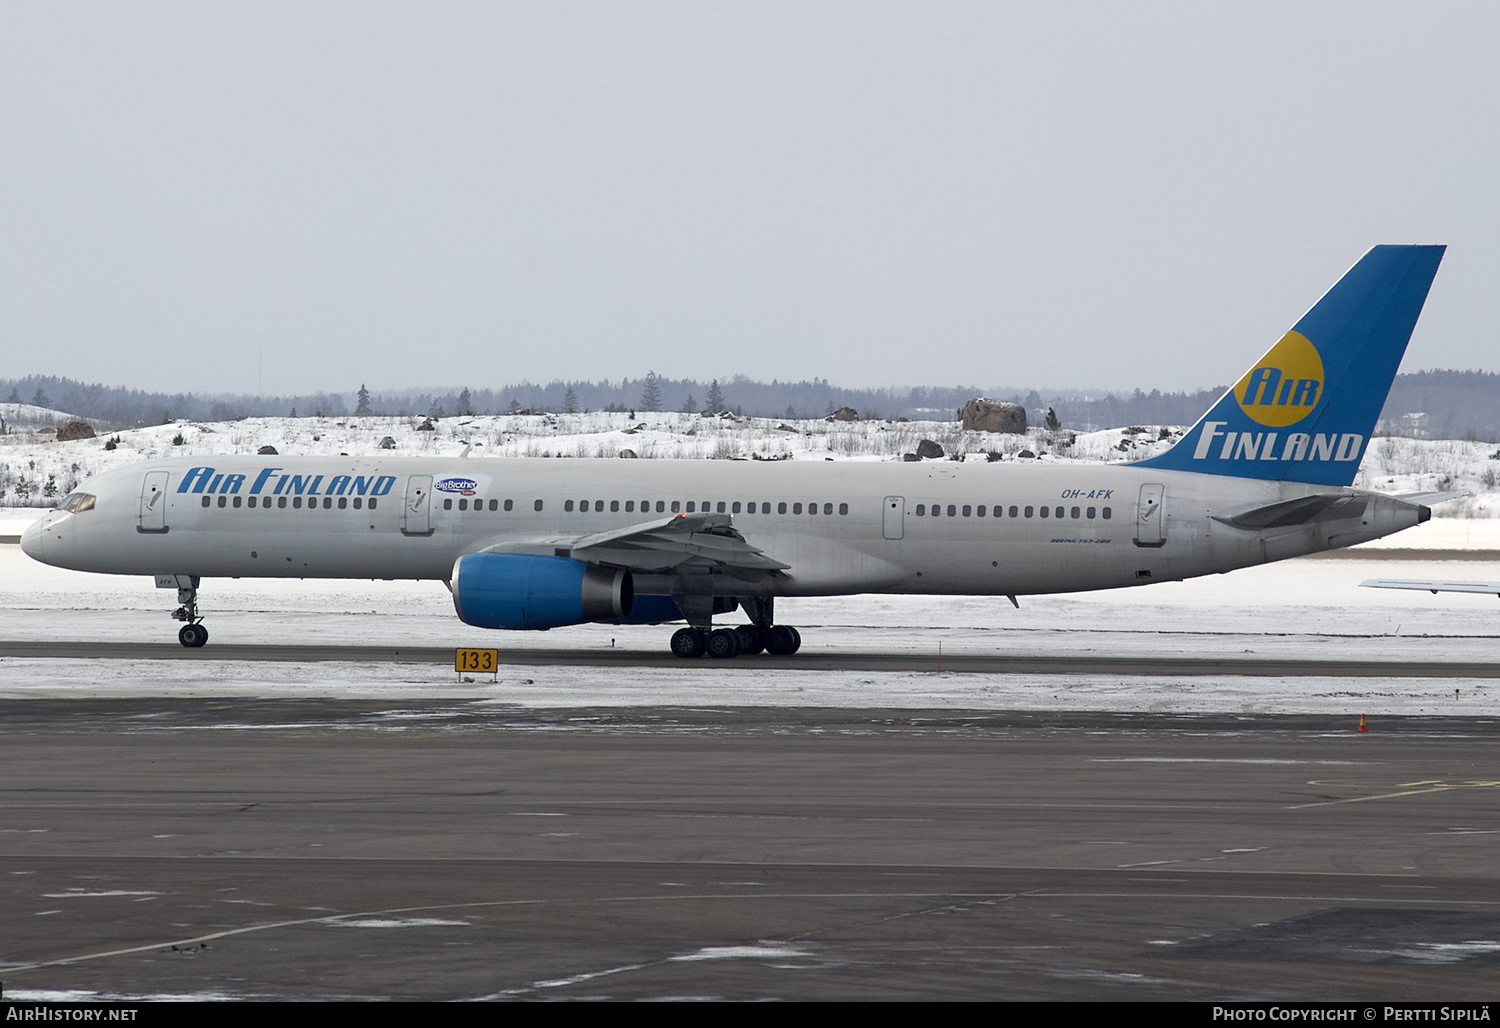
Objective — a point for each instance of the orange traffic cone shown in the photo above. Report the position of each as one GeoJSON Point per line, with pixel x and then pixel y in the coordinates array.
{"type": "Point", "coordinates": [1362, 727]}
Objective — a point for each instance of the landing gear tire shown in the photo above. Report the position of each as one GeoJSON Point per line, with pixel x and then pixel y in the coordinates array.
{"type": "Point", "coordinates": [686, 643]}
{"type": "Point", "coordinates": [783, 640]}
{"type": "Point", "coordinates": [752, 640]}
{"type": "Point", "coordinates": [724, 643]}
{"type": "Point", "coordinates": [192, 636]}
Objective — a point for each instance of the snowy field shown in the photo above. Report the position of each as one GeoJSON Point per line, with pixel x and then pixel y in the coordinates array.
{"type": "Point", "coordinates": [1305, 608]}
{"type": "Point", "coordinates": [1311, 608]}
{"type": "Point", "coordinates": [35, 468]}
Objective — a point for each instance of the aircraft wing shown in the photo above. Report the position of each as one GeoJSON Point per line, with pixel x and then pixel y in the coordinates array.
{"type": "Point", "coordinates": [687, 543]}
{"type": "Point", "coordinates": [1432, 586]}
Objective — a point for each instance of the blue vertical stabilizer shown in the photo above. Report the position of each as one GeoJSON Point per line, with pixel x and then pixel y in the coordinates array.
{"type": "Point", "coordinates": [1305, 411]}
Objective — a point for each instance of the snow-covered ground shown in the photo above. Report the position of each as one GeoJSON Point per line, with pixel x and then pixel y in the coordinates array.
{"type": "Point", "coordinates": [1304, 608]}
{"type": "Point", "coordinates": [35, 469]}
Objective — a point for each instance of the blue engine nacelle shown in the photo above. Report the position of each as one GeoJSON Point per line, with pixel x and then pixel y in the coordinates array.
{"type": "Point", "coordinates": [512, 590]}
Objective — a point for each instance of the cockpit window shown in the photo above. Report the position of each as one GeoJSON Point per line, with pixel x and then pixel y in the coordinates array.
{"type": "Point", "coordinates": [77, 503]}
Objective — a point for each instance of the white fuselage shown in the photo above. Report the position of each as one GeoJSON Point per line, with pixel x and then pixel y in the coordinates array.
{"type": "Point", "coordinates": [1106, 526]}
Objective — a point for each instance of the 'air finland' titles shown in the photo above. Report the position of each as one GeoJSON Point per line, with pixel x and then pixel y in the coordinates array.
{"type": "Point", "coordinates": [271, 480]}
{"type": "Point", "coordinates": [536, 544]}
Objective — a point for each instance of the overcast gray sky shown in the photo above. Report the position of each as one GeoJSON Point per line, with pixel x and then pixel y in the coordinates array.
{"type": "Point", "coordinates": [1115, 195]}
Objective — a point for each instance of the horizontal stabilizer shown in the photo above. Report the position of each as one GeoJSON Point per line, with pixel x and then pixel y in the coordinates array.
{"type": "Point", "coordinates": [1432, 586]}
{"type": "Point", "coordinates": [1428, 499]}
{"type": "Point", "coordinates": [1300, 511]}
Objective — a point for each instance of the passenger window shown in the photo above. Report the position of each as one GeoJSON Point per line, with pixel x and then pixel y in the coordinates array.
{"type": "Point", "coordinates": [689, 507]}
{"type": "Point", "coordinates": [614, 506]}
{"type": "Point", "coordinates": [1046, 512]}
{"type": "Point", "coordinates": [661, 506]}
{"type": "Point", "coordinates": [568, 506]}
{"type": "Point", "coordinates": [463, 504]}
{"type": "Point", "coordinates": [1074, 513]}
{"type": "Point", "coordinates": [494, 505]}
{"type": "Point", "coordinates": [937, 511]}
{"type": "Point", "coordinates": [1013, 512]}
{"type": "Point", "coordinates": [1090, 513]}
{"type": "Point", "coordinates": [921, 510]}
{"type": "Point", "coordinates": [979, 510]}
{"type": "Point", "coordinates": [296, 503]}
{"type": "Point", "coordinates": [537, 505]}
{"type": "Point", "coordinates": [781, 507]}
{"type": "Point", "coordinates": [207, 500]}
{"type": "Point", "coordinates": [812, 508]}
{"type": "Point", "coordinates": [952, 510]}
{"type": "Point", "coordinates": [966, 510]}
{"type": "Point", "coordinates": [736, 507]}
{"type": "Point", "coordinates": [223, 501]}
{"type": "Point", "coordinates": [827, 508]}
{"type": "Point", "coordinates": [372, 503]}
{"type": "Point", "coordinates": [358, 502]}
{"type": "Point", "coordinates": [509, 504]}
{"type": "Point", "coordinates": [328, 503]}
{"type": "Point", "coordinates": [630, 506]}
{"type": "Point", "coordinates": [796, 508]}
{"type": "Point", "coordinates": [676, 506]}
{"type": "Point", "coordinates": [1105, 512]}
{"type": "Point", "coordinates": [343, 503]}
{"type": "Point", "coordinates": [721, 507]}
{"type": "Point", "coordinates": [843, 508]}
{"type": "Point", "coordinates": [1059, 512]}
{"type": "Point", "coordinates": [448, 504]}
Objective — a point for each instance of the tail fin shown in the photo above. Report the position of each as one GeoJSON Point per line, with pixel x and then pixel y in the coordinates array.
{"type": "Point", "coordinates": [1304, 412]}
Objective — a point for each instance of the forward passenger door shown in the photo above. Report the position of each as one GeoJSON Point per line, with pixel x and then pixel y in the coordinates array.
{"type": "Point", "coordinates": [416, 512]}
{"type": "Point", "coordinates": [153, 502]}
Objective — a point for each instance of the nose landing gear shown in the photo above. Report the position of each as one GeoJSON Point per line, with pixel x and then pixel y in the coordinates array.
{"type": "Point", "coordinates": [193, 634]}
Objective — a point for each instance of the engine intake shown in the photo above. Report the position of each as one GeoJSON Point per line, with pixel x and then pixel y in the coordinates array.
{"type": "Point", "coordinates": [506, 590]}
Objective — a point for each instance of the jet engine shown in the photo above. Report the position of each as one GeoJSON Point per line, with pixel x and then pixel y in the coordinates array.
{"type": "Point", "coordinates": [508, 590]}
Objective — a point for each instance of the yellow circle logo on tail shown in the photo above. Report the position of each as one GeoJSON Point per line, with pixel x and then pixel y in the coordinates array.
{"type": "Point", "coordinates": [1285, 385]}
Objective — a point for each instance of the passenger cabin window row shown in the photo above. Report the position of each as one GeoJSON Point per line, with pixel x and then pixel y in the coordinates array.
{"type": "Point", "coordinates": [953, 510]}
{"type": "Point", "coordinates": [667, 506]}
{"type": "Point", "coordinates": [936, 510]}
{"type": "Point", "coordinates": [329, 502]}
{"type": "Point", "coordinates": [478, 504]}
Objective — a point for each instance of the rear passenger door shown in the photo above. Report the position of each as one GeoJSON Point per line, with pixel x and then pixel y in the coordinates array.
{"type": "Point", "coordinates": [893, 522]}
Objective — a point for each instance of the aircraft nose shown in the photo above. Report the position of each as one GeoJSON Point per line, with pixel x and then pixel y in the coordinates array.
{"type": "Point", "coordinates": [31, 541]}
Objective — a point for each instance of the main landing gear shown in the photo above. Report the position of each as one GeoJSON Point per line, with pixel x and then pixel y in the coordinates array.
{"type": "Point", "coordinates": [193, 634]}
{"type": "Point", "coordinates": [742, 641]}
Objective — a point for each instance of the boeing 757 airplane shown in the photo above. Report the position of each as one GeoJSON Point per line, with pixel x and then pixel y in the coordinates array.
{"type": "Point", "coordinates": [537, 544]}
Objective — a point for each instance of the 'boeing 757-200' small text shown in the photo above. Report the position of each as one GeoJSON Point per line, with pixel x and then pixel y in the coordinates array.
{"type": "Point", "coordinates": [537, 544]}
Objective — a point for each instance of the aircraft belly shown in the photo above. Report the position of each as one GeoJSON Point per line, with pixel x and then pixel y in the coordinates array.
{"type": "Point", "coordinates": [823, 567]}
